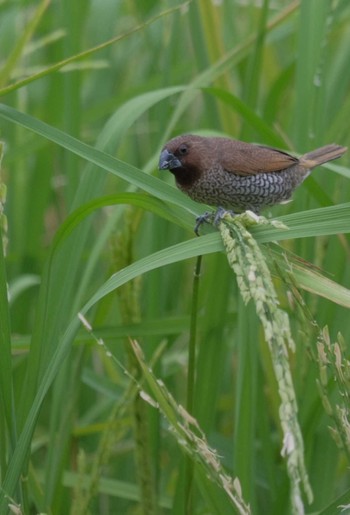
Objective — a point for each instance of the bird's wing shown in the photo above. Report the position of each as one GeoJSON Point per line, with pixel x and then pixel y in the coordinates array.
{"type": "Point", "coordinates": [246, 159]}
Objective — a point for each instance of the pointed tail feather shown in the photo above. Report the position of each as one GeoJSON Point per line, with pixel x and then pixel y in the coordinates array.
{"type": "Point", "coordinates": [322, 155]}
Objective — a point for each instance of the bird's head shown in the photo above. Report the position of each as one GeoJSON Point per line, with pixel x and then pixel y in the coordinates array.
{"type": "Point", "coordinates": [183, 156]}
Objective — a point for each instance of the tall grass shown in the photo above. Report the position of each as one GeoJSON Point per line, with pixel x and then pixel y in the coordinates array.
{"type": "Point", "coordinates": [105, 331]}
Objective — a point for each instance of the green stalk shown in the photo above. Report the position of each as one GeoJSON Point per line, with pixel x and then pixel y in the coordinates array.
{"type": "Point", "coordinates": [191, 378]}
{"type": "Point", "coordinates": [7, 401]}
{"type": "Point", "coordinates": [17, 52]}
{"type": "Point", "coordinates": [193, 336]}
{"type": "Point", "coordinates": [87, 53]}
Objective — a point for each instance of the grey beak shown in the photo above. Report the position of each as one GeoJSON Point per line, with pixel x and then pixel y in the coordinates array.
{"type": "Point", "coordinates": [168, 161]}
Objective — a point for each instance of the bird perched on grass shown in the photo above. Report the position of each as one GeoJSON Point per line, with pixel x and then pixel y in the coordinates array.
{"type": "Point", "coordinates": [235, 175]}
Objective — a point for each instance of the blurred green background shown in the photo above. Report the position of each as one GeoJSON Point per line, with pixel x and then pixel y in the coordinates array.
{"type": "Point", "coordinates": [82, 83]}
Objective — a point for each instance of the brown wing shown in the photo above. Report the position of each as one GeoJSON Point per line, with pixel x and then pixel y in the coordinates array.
{"type": "Point", "coordinates": [248, 159]}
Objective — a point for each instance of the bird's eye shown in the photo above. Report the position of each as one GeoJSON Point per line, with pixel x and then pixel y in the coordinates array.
{"type": "Point", "coordinates": [183, 149]}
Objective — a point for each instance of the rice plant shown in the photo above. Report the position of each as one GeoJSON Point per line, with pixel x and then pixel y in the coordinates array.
{"type": "Point", "coordinates": [144, 369]}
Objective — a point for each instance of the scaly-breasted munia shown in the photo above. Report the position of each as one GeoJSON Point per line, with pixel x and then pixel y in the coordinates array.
{"type": "Point", "coordinates": [235, 175]}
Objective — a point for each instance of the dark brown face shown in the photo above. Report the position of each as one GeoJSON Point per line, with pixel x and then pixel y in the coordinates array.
{"type": "Point", "coordinates": [182, 157]}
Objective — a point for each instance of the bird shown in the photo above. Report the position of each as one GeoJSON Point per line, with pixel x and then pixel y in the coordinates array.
{"type": "Point", "coordinates": [238, 176]}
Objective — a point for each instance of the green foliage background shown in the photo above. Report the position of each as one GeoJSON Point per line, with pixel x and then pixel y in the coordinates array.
{"type": "Point", "coordinates": [90, 92]}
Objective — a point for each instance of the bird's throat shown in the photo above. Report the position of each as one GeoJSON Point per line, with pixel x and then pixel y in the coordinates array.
{"type": "Point", "coordinates": [185, 176]}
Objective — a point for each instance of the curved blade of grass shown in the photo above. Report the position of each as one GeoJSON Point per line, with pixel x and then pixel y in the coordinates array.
{"type": "Point", "coordinates": [141, 200]}
{"type": "Point", "coordinates": [22, 284]}
{"type": "Point", "coordinates": [123, 170]}
{"type": "Point", "coordinates": [316, 283]}
{"type": "Point", "coordinates": [207, 245]}
{"type": "Point", "coordinates": [329, 220]}
{"type": "Point", "coordinates": [129, 112]}
{"type": "Point", "coordinates": [322, 221]}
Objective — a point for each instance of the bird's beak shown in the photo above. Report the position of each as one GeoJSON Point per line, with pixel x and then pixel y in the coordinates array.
{"type": "Point", "coordinates": [168, 161]}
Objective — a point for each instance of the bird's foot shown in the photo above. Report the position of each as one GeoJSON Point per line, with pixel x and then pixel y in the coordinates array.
{"type": "Point", "coordinates": [205, 218]}
{"type": "Point", "coordinates": [220, 214]}
{"type": "Point", "coordinates": [211, 218]}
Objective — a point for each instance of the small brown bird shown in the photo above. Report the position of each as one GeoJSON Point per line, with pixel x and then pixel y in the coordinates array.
{"type": "Point", "coordinates": [234, 175]}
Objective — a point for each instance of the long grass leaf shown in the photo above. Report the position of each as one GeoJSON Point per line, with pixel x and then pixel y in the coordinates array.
{"type": "Point", "coordinates": [115, 166]}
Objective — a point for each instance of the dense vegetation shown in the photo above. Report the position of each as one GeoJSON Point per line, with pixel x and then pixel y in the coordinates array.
{"type": "Point", "coordinates": [98, 299]}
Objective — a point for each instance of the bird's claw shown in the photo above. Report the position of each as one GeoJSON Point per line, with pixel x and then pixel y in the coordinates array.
{"type": "Point", "coordinates": [201, 219]}
{"type": "Point", "coordinates": [220, 213]}
{"type": "Point", "coordinates": [210, 217]}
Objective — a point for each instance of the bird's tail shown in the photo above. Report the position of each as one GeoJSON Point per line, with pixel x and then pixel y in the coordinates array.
{"type": "Point", "coordinates": [322, 155]}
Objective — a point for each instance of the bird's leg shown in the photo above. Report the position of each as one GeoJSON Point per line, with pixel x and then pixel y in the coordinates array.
{"type": "Point", "coordinates": [211, 218]}
{"type": "Point", "coordinates": [220, 213]}
{"type": "Point", "coordinates": [206, 217]}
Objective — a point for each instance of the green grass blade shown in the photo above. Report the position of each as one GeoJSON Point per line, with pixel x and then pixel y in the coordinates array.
{"type": "Point", "coordinates": [6, 383]}
{"type": "Point", "coordinates": [95, 156]}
